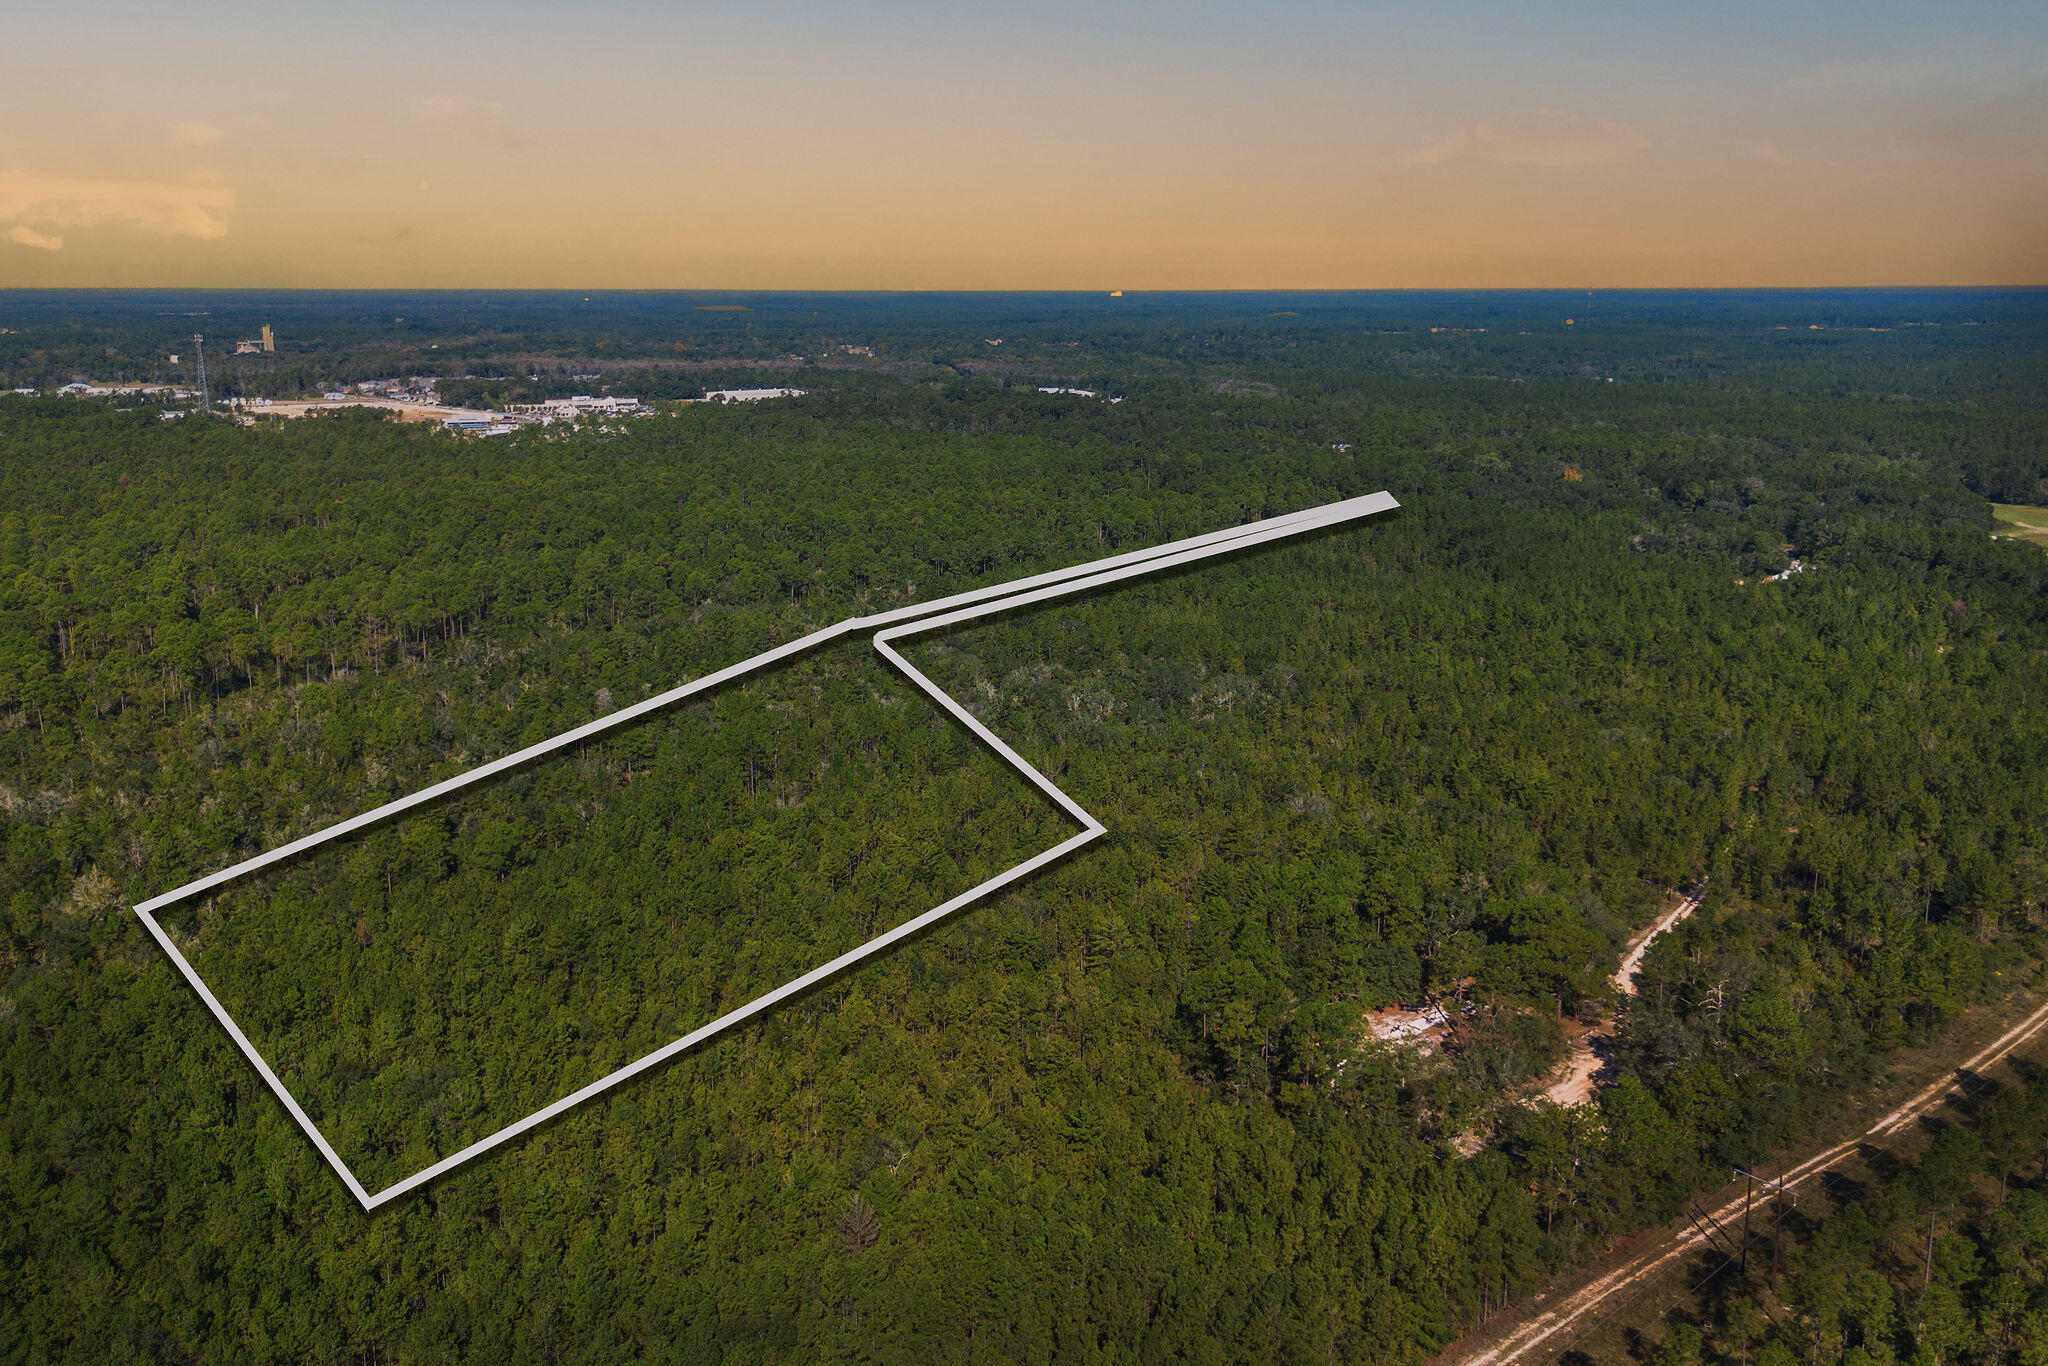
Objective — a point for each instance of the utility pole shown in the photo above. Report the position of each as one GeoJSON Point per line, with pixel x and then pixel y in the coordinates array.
{"type": "Point", "coordinates": [1748, 1190]}
{"type": "Point", "coordinates": [1777, 1232]}
{"type": "Point", "coordinates": [1776, 1188]}
{"type": "Point", "coordinates": [205, 394]}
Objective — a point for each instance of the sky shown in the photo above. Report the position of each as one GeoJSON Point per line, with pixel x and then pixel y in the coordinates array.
{"type": "Point", "coordinates": [864, 144]}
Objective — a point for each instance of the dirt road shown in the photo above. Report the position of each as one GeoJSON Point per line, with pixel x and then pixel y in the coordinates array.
{"type": "Point", "coordinates": [1553, 1330]}
{"type": "Point", "coordinates": [1580, 1078]}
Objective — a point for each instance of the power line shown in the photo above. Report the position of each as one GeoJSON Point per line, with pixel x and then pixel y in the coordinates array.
{"type": "Point", "coordinates": [1968, 1089]}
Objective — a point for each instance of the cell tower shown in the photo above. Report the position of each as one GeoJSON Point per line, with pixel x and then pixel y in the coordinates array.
{"type": "Point", "coordinates": [205, 394]}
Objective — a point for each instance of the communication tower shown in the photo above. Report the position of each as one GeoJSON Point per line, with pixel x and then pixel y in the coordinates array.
{"type": "Point", "coordinates": [205, 394]}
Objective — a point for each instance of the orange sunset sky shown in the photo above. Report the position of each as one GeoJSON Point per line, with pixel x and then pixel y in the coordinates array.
{"type": "Point", "coordinates": [1136, 146]}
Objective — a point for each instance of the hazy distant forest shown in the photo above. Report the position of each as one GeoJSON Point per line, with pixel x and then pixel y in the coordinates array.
{"type": "Point", "coordinates": [1129, 1112]}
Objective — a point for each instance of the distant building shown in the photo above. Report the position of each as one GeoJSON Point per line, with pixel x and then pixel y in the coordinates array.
{"type": "Point", "coordinates": [580, 406]}
{"type": "Point", "coordinates": [480, 424]}
{"type": "Point", "coordinates": [748, 395]}
{"type": "Point", "coordinates": [263, 344]}
{"type": "Point", "coordinates": [269, 338]}
{"type": "Point", "coordinates": [79, 388]}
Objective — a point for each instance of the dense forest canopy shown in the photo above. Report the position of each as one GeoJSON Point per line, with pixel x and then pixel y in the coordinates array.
{"type": "Point", "coordinates": [1131, 1109]}
{"type": "Point", "coordinates": [1938, 1253]}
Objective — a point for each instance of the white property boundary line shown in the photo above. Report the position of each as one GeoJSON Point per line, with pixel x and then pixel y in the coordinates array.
{"type": "Point", "coordinates": [899, 624]}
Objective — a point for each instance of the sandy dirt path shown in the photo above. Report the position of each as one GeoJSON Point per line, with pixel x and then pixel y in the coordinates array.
{"type": "Point", "coordinates": [1553, 1329]}
{"type": "Point", "coordinates": [1590, 1051]}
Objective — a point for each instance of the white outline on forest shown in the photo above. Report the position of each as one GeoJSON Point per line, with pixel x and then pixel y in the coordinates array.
{"type": "Point", "coordinates": [899, 624]}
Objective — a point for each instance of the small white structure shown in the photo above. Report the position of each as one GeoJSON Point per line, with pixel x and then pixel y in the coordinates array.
{"type": "Point", "coordinates": [1395, 1026]}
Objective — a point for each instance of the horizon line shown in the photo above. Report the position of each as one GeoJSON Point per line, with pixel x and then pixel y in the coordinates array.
{"type": "Point", "coordinates": [1077, 289]}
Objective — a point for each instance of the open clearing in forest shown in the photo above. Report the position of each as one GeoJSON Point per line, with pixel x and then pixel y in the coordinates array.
{"type": "Point", "coordinates": [1580, 1077]}
{"type": "Point", "coordinates": [2019, 522]}
{"type": "Point", "coordinates": [1588, 1311]}
{"type": "Point", "coordinates": [1577, 1079]}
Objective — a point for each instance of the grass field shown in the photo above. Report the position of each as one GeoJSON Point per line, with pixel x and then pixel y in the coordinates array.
{"type": "Point", "coordinates": [2021, 522]}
